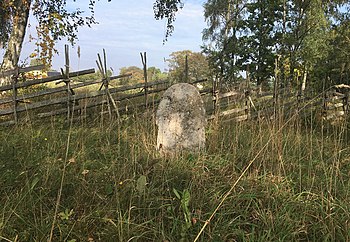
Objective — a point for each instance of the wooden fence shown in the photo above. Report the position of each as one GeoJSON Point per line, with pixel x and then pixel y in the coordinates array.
{"type": "Point", "coordinates": [17, 104]}
{"type": "Point", "coordinates": [237, 102]}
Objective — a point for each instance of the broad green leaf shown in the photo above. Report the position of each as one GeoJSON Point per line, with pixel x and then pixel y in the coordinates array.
{"type": "Point", "coordinates": [176, 193]}
{"type": "Point", "coordinates": [186, 198]}
{"type": "Point", "coordinates": [141, 184]}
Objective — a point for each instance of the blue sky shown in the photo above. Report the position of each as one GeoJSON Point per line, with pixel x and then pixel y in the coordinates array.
{"type": "Point", "coordinates": [126, 28]}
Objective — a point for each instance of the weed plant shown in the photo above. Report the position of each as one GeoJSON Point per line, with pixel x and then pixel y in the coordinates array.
{"type": "Point", "coordinates": [104, 181]}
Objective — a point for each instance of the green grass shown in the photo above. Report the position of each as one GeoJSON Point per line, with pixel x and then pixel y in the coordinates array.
{"type": "Point", "coordinates": [116, 187]}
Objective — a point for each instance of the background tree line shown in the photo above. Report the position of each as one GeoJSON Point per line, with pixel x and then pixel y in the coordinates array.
{"type": "Point", "coordinates": [183, 66]}
{"type": "Point", "coordinates": [309, 38]}
{"type": "Point", "coordinates": [196, 68]}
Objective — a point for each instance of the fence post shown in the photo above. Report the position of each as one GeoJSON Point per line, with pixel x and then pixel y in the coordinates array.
{"type": "Point", "coordinates": [144, 63]}
{"type": "Point", "coordinates": [67, 80]}
{"type": "Point", "coordinates": [14, 90]}
{"type": "Point", "coordinates": [107, 80]}
{"type": "Point", "coordinates": [100, 66]}
{"type": "Point", "coordinates": [215, 94]}
{"type": "Point", "coordinates": [105, 83]}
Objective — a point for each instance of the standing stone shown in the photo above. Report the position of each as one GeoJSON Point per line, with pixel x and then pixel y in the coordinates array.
{"type": "Point", "coordinates": [181, 120]}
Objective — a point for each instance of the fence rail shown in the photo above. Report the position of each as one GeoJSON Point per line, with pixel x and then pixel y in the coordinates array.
{"type": "Point", "coordinates": [62, 104]}
{"type": "Point", "coordinates": [236, 103]}
{"type": "Point", "coordinates": [21, 70]}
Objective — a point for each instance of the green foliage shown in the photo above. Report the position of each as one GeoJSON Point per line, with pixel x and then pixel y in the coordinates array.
{"type": "Point", "coordinates": [66, 214]}
{"type": "Point", "coordinates": [221, 43]}
{"type": "Point", "coordinates": [141, 184]}
{"type": "Point", "coordinates": [198, 67]}
{"type": "Point", "coordinates": [245, 34]}
{"type": "Point", "coordinates": [137, 75]}
{"type": "Point", "coordinates": [167, 9]}
{"type": "Point", "coordinates": [301, 34]}
{"type": "Point", "coordinates": [335, 67]}
{"type": "Point", "coordinates": [5, 23]}
{"type": "Point", "coordinates": [97, 76]}
{"type": "Point", "coordinates": [184, 198]}
{"type": "Point", "coordinates": [153, 74]}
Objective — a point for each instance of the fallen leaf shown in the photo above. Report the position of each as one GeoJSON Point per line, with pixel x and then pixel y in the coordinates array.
{"type": "Point", "coordinates": [85, 172]}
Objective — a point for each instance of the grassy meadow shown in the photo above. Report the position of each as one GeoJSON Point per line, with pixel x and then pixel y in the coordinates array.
{"type": "Point", "coordinates": [104, 181]}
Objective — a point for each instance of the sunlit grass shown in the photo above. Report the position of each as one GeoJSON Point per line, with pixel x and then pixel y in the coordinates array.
{"type": "Point", "coordinates": [117, 188]}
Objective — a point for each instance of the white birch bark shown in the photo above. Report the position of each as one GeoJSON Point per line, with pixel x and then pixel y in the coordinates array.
{"type": "Point", "coordinates": [16, 38]}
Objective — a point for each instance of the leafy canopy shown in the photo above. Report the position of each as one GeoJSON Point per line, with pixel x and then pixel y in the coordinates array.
{"type": "Point", "coordinates": [166, 9]}
{"type": "Point", "coordinates": [197, 66]}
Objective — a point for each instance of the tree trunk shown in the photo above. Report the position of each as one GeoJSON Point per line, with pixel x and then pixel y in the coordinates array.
{"type": "Point", "coordinates": [14, 45]}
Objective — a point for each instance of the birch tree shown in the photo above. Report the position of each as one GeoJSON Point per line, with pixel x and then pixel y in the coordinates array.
{"type": "Point", "coordinates": [54, 23]}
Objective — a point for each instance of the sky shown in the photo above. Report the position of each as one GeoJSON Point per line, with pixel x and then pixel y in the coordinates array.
{"type": "Point", "coordinates": [126, 28]}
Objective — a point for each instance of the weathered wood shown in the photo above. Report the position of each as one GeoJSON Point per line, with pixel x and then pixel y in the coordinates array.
{"type": "Point", "coordinates": [334, 115]}
{"type": "Point", "coordinates": [47, 92]}
{"type": "Point", "coordinates": [47, 79]}
{"type": "Point", "coordinates": [342, 86]}
{"type": "Point", "coordinates": [238, 118]}
{"type": "Point", "coordinates": [66, 80]}
{"type": "Point", "coordinates": [57, 90]}
{"type": "Point", "coordinates": [138, 85]}
{"type": "Point", "coordinates": [64, 110]}
{"type": "Point", "coordinates": [8, 123]}
{"type": "Point", "coordinates": [132, 108]}
{"type": "Point", "coordinates": [34, 106]}
{"type": "Point", "coordinates": [334, 98]}
{"type": "Point", "coordinates": [91, 105]}
{"type": "Point", "coordinates": [21, 70]}
{"type": "Point", "coordinates": [198, 81]}
{"type": "Point", "coordinates": [263, 103]}
{"type": "Point", "coordinates": [215, 93]}
{"type": "Point", "coordinates": [144, 63]}
{"type": "Point", "coordinates": [227, 94]}
{"type": "Point", "coordinates": [232, 111]}
{"type": "Point", "coordinates": [81, 96]}
{"type": "Point", "coordinates": [242, 118]}
{"type": "Point", "coordinates": [120, 76]}
{"type": "Point", "coordinates": [229, 112]}
{"type": "Point", "coordinates": [205, 91]}
{"type": "Point", "coordinates": [332, 106]}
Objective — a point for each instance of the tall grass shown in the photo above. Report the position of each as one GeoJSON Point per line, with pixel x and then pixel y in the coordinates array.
{"type": "Point", "coordinates": [117, 188]}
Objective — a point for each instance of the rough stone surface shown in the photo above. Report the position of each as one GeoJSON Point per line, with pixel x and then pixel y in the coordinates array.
{"type": "Point", "coordinates": [181, 120]}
